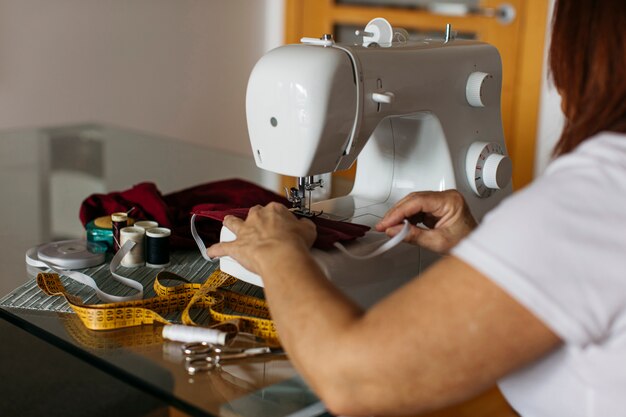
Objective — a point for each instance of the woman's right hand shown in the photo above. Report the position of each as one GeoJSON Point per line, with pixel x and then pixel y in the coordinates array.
{"type": "Point", "coordinates": [445, 213]}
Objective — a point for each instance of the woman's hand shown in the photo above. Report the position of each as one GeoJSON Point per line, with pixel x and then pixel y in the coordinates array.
{"type": "Point", "coordinates": [445, 213]}
{"type": "Point", "coordinates": [264, 236]}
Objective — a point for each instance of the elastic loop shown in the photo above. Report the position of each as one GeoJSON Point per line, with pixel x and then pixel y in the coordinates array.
{"type": "Point", "coordinates": [388, 245]}
{"type": "Point", "coordinates": [198, 240]}
{"type": "Point", "coordinates": [89, 281]}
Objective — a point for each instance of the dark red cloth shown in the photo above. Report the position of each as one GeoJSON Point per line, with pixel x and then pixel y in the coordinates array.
{"type": "Point", "coordinates": [328, 231]}
{"type": "Point", "coordinates": [213, 200]}
{"type": "Point", "coordinates": [144, 197]}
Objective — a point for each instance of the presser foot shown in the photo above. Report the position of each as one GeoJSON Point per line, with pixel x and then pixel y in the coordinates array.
{"type": "Point", "coordinates": [306, 213]}
{"type": "Point", "coordinates": [300, 197]}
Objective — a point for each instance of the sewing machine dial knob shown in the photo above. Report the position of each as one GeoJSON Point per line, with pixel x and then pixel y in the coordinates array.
{"type": "Point", "coordinates": [487, 167]}
{"type": "Point", "coordinates": [479, 89]}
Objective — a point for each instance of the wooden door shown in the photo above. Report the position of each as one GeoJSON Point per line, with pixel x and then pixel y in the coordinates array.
{"type": "Point", "coordinates": [519, 42]}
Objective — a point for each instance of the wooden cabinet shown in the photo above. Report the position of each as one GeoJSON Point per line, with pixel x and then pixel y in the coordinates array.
{"type": "Point", "coordinates": [520, 42]}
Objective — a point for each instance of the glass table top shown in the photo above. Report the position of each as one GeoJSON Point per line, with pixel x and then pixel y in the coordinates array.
{"type": "Point", "coordinates": [44, 176]}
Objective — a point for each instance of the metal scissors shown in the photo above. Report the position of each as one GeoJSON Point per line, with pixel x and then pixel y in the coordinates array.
{"type": "Point", "coordinates": [204, 357]}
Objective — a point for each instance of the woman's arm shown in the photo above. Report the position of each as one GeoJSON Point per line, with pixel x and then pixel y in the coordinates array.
{"type": "Point", "coordinates": [438, 340]}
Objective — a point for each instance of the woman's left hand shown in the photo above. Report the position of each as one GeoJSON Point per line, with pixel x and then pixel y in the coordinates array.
{"type": "Point", "coordinates": [264, 236]}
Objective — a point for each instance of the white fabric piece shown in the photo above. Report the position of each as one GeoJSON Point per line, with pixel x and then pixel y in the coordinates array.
{"type": "Point", "coordinates": [201, 246]}
{"type": "Point", "coordinates": [89, 281]}
{"type": "Point", "coordinates": [387, 245]}
{"type": "Point", "coordinates": [559, 248]}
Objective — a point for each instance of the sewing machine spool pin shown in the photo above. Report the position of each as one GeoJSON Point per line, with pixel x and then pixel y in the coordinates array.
{"type": "Point", "coordinates": [450, 34]}
{"type": "Point", "coordinates": [363, 33]}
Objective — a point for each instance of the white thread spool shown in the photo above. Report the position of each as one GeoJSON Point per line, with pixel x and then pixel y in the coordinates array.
{"type": "Point", "coordinates": [136, 255]}
{"type": "Point", "coordinates": [146, 224]}
{"type": "Point", "coordinates": [189, 334]}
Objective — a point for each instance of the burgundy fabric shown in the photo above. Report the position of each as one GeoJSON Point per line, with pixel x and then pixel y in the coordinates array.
{"type": "Point", "coordinates": [211, 200]}
{"type": "Point", "coordinates": [144, 197]}
{"type": "Point", "coordinates": [328, 231]}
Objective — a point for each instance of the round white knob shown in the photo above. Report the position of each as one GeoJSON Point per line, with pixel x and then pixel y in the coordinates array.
{"type": "Point", "coordinates": [474, 90]}
{"type": "Point", "coordinates": [487, 167]}
{"type": "Point", "coordinates": [497, 171]}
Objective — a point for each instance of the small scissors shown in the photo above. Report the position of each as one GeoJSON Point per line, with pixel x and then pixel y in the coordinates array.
{"type": "Point", "coordinates": [204, 357]}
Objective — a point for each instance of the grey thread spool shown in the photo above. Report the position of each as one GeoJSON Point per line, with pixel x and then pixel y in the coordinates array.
{"type": "Point", "coordinates": [158, 247]}
{"type": "Point", "coordinates": [136, 255]}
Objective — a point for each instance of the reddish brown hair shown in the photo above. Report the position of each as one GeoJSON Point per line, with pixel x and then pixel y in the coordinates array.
{"type": "Point", "coordinates": [588, 65]}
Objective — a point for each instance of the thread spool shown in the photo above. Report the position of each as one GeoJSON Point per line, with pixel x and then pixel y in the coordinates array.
{"type": "Point", "coordinates": [118, 222]}
{"type": "Point", "coordinates": [135, 257]}
{"type": "Point", "coordinates": [146, 224]}
{"type": "Point", "coordinates": [158, 247]}
{"type": "Point", "coordinates": [188, 334]}
{"type": "Point", "coordinates": [100, 235]}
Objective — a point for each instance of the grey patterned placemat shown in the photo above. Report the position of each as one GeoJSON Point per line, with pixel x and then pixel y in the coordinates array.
{"type": "Point", "coordinates": [188, 264]}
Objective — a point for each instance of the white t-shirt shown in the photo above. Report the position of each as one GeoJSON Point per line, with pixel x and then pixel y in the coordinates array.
{"type": "Point", "coordinates": [559, 248]}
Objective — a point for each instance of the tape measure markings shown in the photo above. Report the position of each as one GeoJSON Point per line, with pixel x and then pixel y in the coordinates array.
{"type": "Point", "coordinates": [28, 295]}
{"type": "Point", "coordinates": [251, 314]}
{"type": "Point", "coordinates": [139, 337]}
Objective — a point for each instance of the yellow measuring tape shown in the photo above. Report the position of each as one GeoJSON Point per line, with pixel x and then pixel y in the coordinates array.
{"type": "Point", "coordinates": [249, 314]}
{"type": "Point", "coordinates": [140, 338]}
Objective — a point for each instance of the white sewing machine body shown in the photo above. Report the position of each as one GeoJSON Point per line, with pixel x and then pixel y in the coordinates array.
{"type": "Point", "coordinates": [419, 116]}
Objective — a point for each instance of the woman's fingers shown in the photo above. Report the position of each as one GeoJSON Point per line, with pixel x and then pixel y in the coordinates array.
{"type": "Point", "coordinates": [445, 213]}
{"type": "Point", "coordinates": [264, 230]}
{"type": "Point", "coordinates": [393, 230]}
{"type": "Point", "coordinates": [412, 237]}
{"type": "Point", "coordinates": [232, 223]}
{"type": "Point", "coordinates": [433, 240]}
{"type": "Point", "coordinates": [309, 225]}
{"type": "Point", "coordinates": [218, 250]}
{"type": "Point", "coordinates": [407, 208]}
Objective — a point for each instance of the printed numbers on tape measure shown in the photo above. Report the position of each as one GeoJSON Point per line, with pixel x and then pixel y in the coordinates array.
{"type": "Point", "coordinates": [250, 312]}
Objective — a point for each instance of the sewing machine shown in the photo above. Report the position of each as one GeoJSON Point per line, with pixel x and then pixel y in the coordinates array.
{"type": "Point", "coordinates": [418, 115]}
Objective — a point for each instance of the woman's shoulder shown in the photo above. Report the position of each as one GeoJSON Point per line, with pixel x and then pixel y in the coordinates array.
{"type": "Point", "coordinates": [601, 155]}
{"type": "Point", "coordinates": [608, 146]}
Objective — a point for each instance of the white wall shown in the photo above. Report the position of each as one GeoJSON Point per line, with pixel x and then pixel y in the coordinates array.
{"type": "Point", "coordinates": [177, 68]}
{"type": "Point", "coordinates": [550, 114]}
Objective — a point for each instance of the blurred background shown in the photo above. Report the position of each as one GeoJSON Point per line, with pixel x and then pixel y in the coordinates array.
{"type": "Point", "coordinates": [176, 68]}
{"type": "Point", "coordinates": [94, 93]}
{"type": "Point", "coordinates": [79, 79]}
{"type": "Point", "coordinates": [179, 68]}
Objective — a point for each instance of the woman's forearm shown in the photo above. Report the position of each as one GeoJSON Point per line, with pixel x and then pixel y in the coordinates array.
{"type": "Point", "coordinates": [311, 315]}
